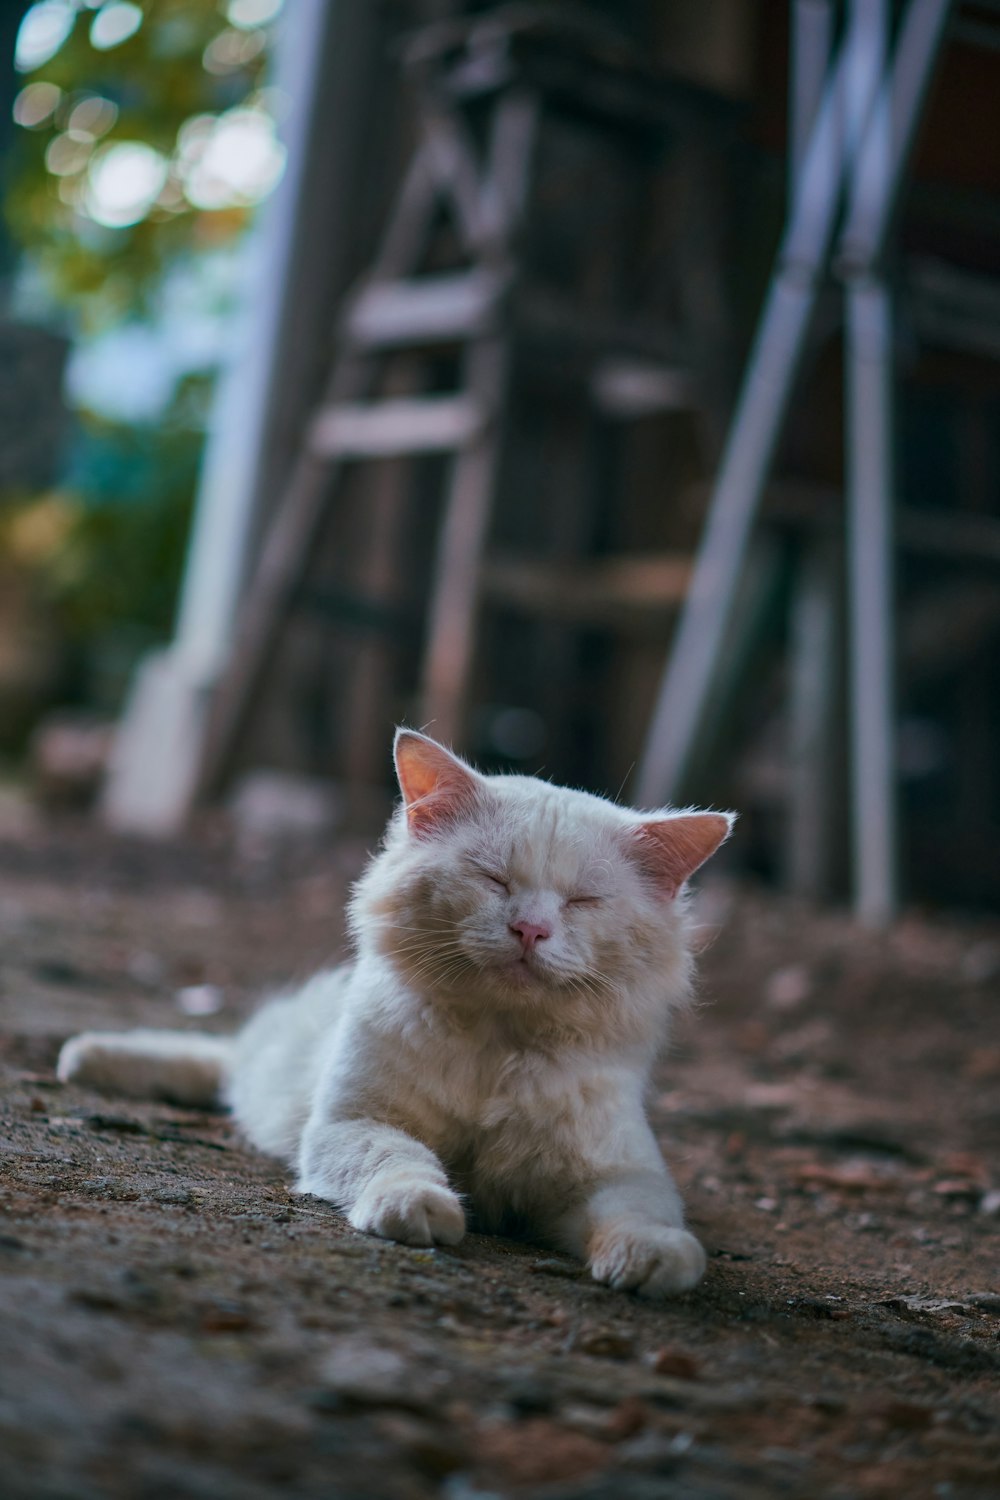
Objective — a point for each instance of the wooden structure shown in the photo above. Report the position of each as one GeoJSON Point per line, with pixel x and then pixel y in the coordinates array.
{"type": "Point", "coordinates": [857, 101]}
{"type": "Point", "coordinates": [456, 316]}
{"type": "Point", "coordinates": [484, 507]}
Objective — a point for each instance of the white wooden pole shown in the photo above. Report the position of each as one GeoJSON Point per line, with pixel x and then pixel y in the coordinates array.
{"type": "Point", "coordinates": [154, 768]}
{"type": "Point", "coordinates": [880, 143]}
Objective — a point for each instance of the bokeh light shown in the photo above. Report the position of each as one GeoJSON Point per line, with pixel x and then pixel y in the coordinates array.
{"type": "Point", "coordinates": [92, 117]}
{"type": "Point", "coordinates": [65, 155]}
{"type": "Point", "coordinates": [42, 32]}
{"type": "Point", "coordinates": [123, 182]}
{"type": "Point", "coordinates": [36, 104]}
{"type": "Point", "coordinates": [229, 160]}
{"type": "Point", "coordinates": [114, 24]}
{"type": "Point", "coordinates": [232, 49]}
{"type": "Point", "coordinates": [249, 13]}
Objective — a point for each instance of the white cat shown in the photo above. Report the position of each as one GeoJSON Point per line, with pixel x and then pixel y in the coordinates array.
{"type": "Point", "coordinates": [519, 951]}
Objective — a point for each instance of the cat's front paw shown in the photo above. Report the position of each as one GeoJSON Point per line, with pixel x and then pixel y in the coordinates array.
{"type": "Point", "coordinates": [412, 1211]}
{"type": "Point", "coordinates": [651, 1260]}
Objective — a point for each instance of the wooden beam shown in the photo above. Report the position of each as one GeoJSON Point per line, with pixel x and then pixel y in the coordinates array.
{"type": "Point", "coordinates": [386, 429]}
{"type": "Point", "coordinates": [618, 591]}
{"type": "Point", "coordinates": [432, 309]}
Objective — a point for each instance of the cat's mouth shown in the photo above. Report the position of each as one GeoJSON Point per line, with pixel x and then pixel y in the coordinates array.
{"type": "Point", "coordinates": [524, 972]}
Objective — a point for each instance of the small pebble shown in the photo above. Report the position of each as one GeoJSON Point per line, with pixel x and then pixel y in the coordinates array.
{"type": "Point", "coordinates": [358, 1373]}
{"type": "Point", "coordinates": [603, 1343]}
{"type": "Point", "coordinates": [200, 999]}
{"type": "Point", "coordinates": [788, 988]}
{"type": "Point", "coordinates": [675, 1362]}
{"type": "Point", "coordinates": [225, 1317]}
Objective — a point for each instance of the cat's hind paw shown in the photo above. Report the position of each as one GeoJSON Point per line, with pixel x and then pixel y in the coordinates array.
{"type": "Point", "coordinates": [410, 1211]}
{"type": "Point", "coordinates": [652, 1260]}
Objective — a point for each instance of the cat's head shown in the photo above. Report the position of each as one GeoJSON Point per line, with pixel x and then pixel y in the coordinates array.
{"type": "Point", "coordinates": [507, 891]}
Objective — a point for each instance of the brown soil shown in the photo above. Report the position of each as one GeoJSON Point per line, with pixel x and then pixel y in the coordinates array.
{"type": "Point", "coordinates": [176, 1324]}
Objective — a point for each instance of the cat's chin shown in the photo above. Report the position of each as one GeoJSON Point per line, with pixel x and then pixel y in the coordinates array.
{"type": "Point", "coordinates": [522, 977]}
{"type": "Point", "coordinates": [520, 974]}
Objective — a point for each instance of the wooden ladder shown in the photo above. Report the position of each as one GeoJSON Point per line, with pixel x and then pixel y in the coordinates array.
{"type": "Point", "coordinates": [483, 93]}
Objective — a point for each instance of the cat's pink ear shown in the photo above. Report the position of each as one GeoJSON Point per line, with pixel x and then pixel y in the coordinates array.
{"type": "Point", "coordinates": [671, 849]}
{"type": "Point", "coordinates": [437, 787]}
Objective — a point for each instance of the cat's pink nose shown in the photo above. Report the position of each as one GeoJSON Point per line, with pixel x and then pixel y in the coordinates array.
{"type": "Point", "coordinates": [530, 933]}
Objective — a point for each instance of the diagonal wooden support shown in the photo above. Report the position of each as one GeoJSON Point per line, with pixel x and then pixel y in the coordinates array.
{"type": "Point", "coordinates": [875, 174]}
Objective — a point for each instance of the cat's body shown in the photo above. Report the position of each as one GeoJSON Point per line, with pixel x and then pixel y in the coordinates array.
{"type": "Point", "coordinates": [519, 951]}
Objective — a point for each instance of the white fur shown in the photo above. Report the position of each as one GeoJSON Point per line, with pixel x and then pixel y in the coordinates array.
{"type": "Point", "coordinates": [184, 1066]}
{"type": "Point", "coordinates": [442, 1065]}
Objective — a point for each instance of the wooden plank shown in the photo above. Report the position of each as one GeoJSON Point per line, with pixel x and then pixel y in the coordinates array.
{"type": "Point", "coordinates": [457, 171]}
{"type": "Point", "coordinates": [428, 309]}
{"type": "Point", "coordinates": [614, 591]}
{"type": "Point", "coordinates": [387, 429]}
{"type": "Point", "coordinates": [633, 388]}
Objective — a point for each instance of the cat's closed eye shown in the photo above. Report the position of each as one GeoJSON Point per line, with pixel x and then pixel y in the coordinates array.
{"type": "Point", "coordinates": [495, 879]}
{"type": "Point", "coordinates": [583, 900]}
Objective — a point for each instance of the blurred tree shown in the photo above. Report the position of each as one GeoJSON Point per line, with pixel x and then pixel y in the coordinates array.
{"type": "Point", "coordinates": [147, 133]}
{"type": "Point", "coordinates": [143, 136]}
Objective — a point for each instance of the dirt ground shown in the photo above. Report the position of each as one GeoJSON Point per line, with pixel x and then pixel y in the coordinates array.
{"type": "Point", "coordinates": [175, 1323]}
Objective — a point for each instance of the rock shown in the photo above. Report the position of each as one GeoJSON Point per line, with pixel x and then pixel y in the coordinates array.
{"type": "Point", "coordinates": [177, 1197]}
{"type": "Point", "coordinates": [603, 1343]}
{"type": "Point", "coordinates": [788, 988]}
{"type": "Point", "coordinates": [629, 1417]}
{"type": "Point", "coordinates": [956, 1187]}
{"type": "Point", "coordinates": [851, 1176]}
{"type": "Point", "coordinates": [357, 1373]}
{"type": "Point", "coordinates": [222, 1316]}
{"type": "Point", "coordinates": [675, 1362]}
{"type": "Point", "coordinates": [69, 756]}
{"type": "Point", "coordinates": [200, 999]}
{"type": "Point", "coordinates": [271, 808]}
{"type": "Point", "coordinates": [549, 1265]}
